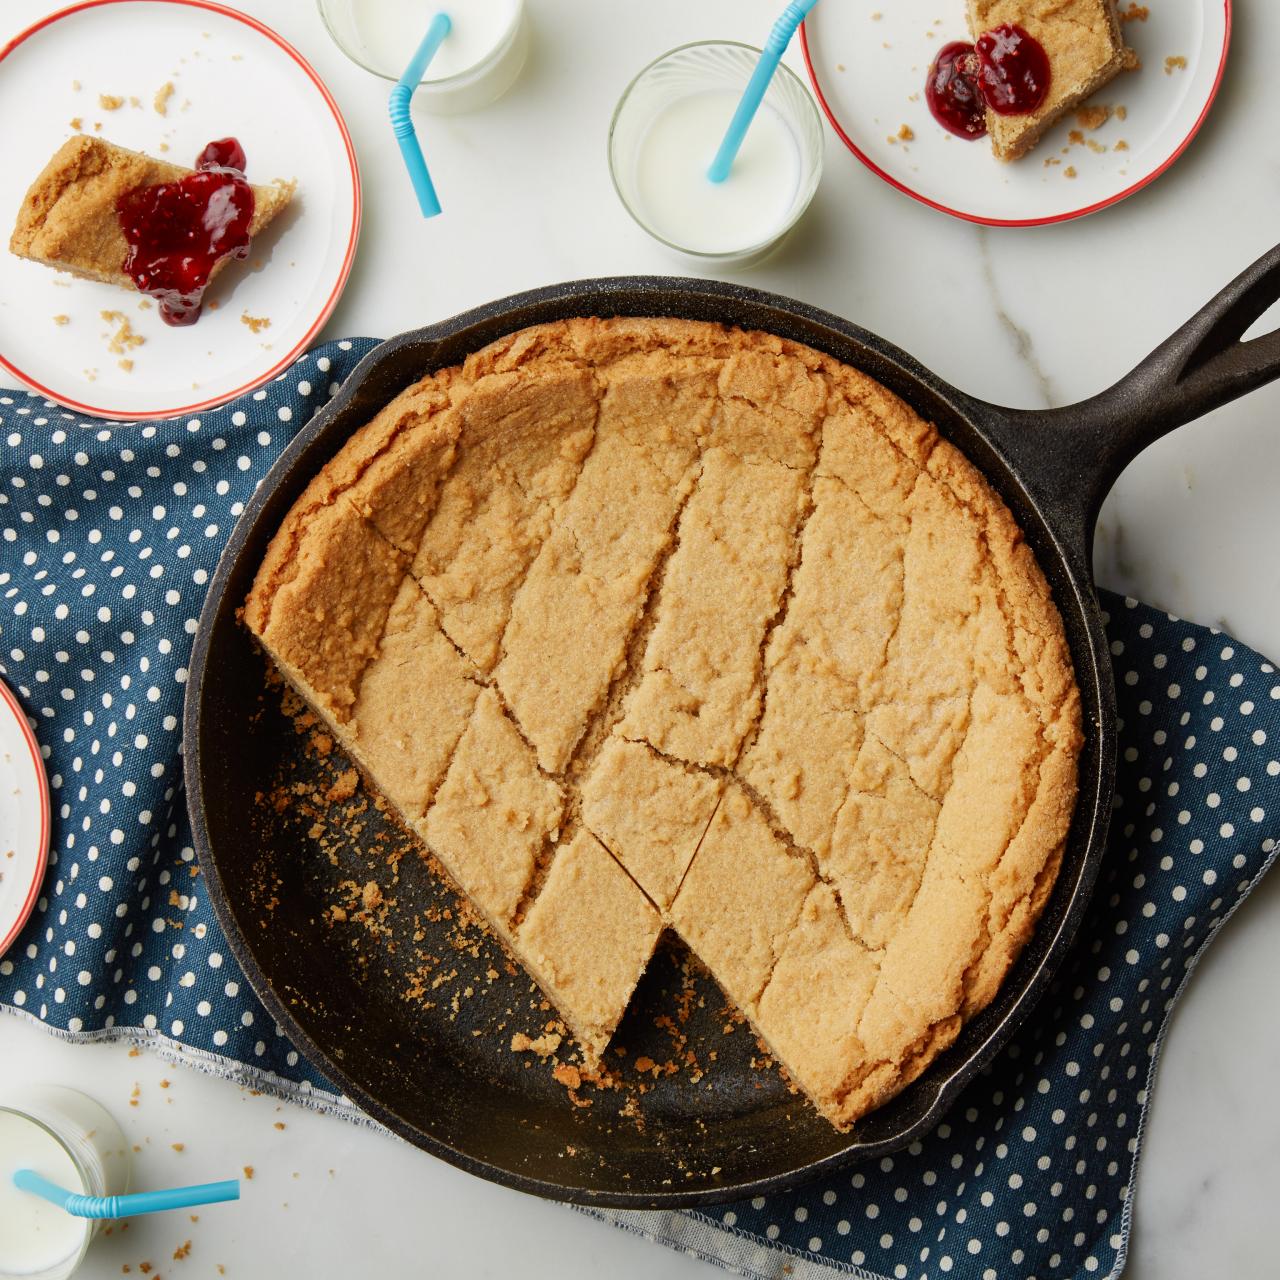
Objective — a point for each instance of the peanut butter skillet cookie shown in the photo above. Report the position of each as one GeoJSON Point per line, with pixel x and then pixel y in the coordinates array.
{"type": "Point", "coordinates": [653, 624]}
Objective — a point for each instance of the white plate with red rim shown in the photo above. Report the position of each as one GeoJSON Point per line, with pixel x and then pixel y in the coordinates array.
{"type": "Point", "coordinates": [868, 60]}
{"type": "Point", "coordinates": [232, 76]}
{"type": "Point", "coordinates": [24, 819]}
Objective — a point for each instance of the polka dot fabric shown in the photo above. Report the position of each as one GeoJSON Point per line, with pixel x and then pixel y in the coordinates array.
{"type": "Point", "coordinates": [108, 536]}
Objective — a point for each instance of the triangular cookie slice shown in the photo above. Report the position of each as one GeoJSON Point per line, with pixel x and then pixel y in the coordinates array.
{"type": "Point", "coordinates": [68, 217]}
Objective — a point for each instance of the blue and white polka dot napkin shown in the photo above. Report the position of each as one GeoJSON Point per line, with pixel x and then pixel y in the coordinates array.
{"type": "Point", "coordinates": [108, 536]}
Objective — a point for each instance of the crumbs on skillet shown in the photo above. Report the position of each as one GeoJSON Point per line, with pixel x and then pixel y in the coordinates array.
{"type": "Point", "coordinates": [446, 956]}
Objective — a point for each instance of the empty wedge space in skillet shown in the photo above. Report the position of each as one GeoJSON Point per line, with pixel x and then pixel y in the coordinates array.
{"type": "Point", "coordinates": [656, 624]}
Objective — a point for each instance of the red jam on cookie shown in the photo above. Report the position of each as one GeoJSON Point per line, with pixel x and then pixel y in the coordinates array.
{"type": "Point", "coordinates": [178, 232]}
{"type": "Point", "coordinates": [1007, 70]}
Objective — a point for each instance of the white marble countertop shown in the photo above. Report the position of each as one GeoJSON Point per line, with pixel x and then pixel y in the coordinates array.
{"type": "Point", "coordinates": [1028, 318]}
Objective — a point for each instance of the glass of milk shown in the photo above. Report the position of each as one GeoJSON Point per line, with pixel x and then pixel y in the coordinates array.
{"type": "Point", "coordinates": [72, 1141]}
{"type": "Point", "coordinates": [477, 63]}
{"type": "Point", "coordinates": [665, 132]}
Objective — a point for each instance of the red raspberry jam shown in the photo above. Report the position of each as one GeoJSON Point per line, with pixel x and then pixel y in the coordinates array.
{"type": "Point", "coordinates": [1013, 70]}
{"type": "Point", "coordinates": [953, 93]}
{"type": "Point", "coordinates": [178, 232]}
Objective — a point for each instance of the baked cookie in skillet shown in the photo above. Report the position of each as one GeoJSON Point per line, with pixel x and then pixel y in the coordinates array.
{"type": "Point", "coordinates": [656, 624]}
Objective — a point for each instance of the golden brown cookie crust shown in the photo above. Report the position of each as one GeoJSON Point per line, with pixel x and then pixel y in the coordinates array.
{"type": "Point", "coordinates": [734, 644]}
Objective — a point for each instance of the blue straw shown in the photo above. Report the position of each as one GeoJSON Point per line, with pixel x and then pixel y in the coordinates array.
{"type": "Point", "coordinates": [402, 120]}
{"type": "Point", "coordinates": [774, 47]}
{"type": "Point", "coordinates": [125, 1206]}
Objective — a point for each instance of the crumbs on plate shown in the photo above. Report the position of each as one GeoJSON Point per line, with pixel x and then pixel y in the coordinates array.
{"type": "Point", "coordinates": [124, 339]}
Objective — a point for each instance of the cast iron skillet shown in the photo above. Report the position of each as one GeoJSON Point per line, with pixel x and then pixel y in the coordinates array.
{"type": "Point", "coordinates": [737, 1131]}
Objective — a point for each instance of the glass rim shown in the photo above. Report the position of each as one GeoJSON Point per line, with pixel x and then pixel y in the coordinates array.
{"type": "Point", "coordinates": [85, 1180]}
{"type": "Point", "coordinates": [725, 255]}
{"type": "Point", "coordinates": [442, 82]}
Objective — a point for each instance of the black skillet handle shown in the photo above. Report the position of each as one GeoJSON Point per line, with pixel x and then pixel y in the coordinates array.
{"type": "Point", "coordinates": [1072, 456]}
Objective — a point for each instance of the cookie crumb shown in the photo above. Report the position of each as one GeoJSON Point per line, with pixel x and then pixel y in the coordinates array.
{"type": "Point", "coordinates": [255, 324]}
{"type": "Point", "coordinates": [544, 1046]}
{"type": "Point", "coordinates": [1069, 171]}
{"type": "Point", "coordinates": [344, 786]}
{"type": "Point", "coordinates": [182, 1251]}
{"type": "Point", "coordinates": [248, 1172]}
{"type": "Point", "coordinates": [1092, 117]}
{"type": "Point", "coordinates": [568, 1075]}
{"type": "Point", "coordinates": [110, 101]}
{"type": "Point", "coordinates": [77, 123]}
{"type": "Point", "coordinates": [1134, 13]}
{"type": "Point", "coordinates": [61, 319]}
{"type": "Point", "coordinates": [124, 339]}
{"type": "Point", "coordinates": [279, 1124]}
{"type": "Point", "coordinates": [1175, 63]}
{"type": "Point", "coordinates": [178, 1146]}
{"type": "Point", "coordinates": [161, 101]}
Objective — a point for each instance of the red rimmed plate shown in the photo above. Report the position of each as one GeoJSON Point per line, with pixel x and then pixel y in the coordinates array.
{"type": "Point", "coordinates": [230, 75]}
{"type": "Point", "coordinates": [868, 61]}
{"type": "Point", "coordinates": [24, 819]}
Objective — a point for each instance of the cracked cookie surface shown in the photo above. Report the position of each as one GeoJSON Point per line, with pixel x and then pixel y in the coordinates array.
{"type": "Point", "coordinates": [655, 624]}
